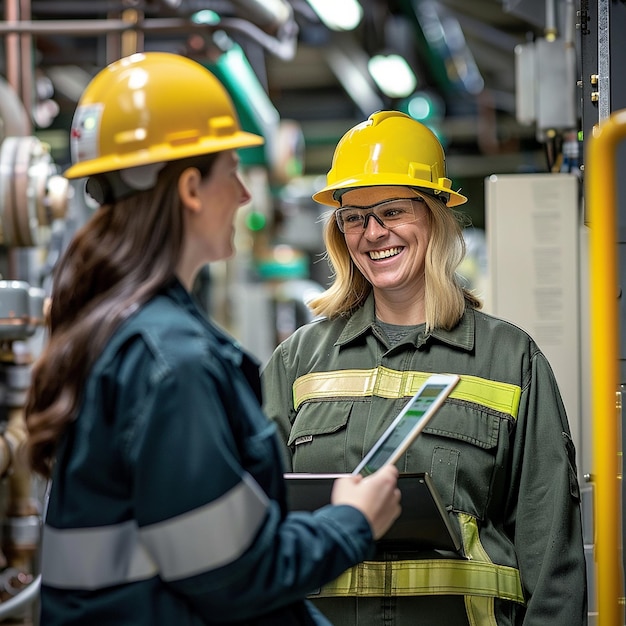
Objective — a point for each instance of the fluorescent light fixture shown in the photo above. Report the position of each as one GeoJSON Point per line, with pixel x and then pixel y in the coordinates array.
{"type": "Point", "coordinates": [205, 16]}
{"type": "Point", "coordinates": [338, 14]}
{"type": "Point", "coordinates": [392, 74]}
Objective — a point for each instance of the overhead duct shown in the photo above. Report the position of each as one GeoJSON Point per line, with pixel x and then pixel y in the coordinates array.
{"type": "Point", "coordinates": [348, 61]}
{"type": "Point", "coordinates": [444, 36]}
{"type": "Point", "coordinates": [269, 23]}
{"type": "Point", "coordinates": [256, 112]}
{"type": "Point", "coordinates": [270, 15]}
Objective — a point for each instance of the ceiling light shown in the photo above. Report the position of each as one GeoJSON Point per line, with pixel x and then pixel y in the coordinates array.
{"type": "Point", "coordinates": [420, 108]}
{"type": "Point", "coordinates": [205, 16]}
{"type": "Point", "coordinates": [338, 14]}
{"type": "Point", "coordinates": [425, 106]}
{"type": "Point", "coordinates": [392, 74]}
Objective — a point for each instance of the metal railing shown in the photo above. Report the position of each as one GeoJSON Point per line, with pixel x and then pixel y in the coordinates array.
{"type": "Point", "coordinates": [601, 197]}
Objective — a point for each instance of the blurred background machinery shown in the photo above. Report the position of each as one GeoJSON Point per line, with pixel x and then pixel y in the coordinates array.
{"type": "Point", "coordinates": [513, 88]}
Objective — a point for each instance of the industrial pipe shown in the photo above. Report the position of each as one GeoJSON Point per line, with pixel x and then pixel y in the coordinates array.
{"type": "Point", "coordinates": [27, 596]}
{"type": "Point", "coordinates": [600, 182]}
{"type": "Point", "coordinates": [283, 49]}
{"type": "Point", "coordinates": [269, 15]}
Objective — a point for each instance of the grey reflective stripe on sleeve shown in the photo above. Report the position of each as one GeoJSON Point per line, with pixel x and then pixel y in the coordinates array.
{"type": "Point", "coordinates": [195, 542]}
{"type": "Point", "coordinates": [208, 537]}
{"type": "Point", "coordinates": [90, 558]}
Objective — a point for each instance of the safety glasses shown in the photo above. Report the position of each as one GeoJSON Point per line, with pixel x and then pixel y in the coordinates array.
{"type": "Point", "coordinates": [389, 214]}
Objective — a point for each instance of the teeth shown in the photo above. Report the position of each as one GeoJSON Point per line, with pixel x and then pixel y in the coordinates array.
{"type": "Point", "coordinates": [384, 254]}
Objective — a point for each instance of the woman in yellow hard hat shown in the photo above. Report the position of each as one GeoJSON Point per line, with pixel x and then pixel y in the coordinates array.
{"type": "Point", "coordinates": [499, 450]}
{"type": "Point", "coordinates": [167, 505]}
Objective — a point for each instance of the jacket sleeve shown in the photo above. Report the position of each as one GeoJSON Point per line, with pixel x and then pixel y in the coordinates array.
{"type": "Point", "coordinates": [216, 531]}
{"type": "Point", "coordinates": [278, 399]}
{"type": "Point", "coordinates": [545, 506]}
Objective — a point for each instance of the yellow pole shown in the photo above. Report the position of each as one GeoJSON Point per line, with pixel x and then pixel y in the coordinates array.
{"type": "Point", "coordinates": [600, 181]}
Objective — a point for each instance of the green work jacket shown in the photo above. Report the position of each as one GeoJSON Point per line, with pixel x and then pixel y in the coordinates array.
{"type": "Point", "coordinates": [499, 452]}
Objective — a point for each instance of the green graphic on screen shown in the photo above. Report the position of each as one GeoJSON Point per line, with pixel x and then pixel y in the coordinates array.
{"type": "Point", "coordinates": [411, 417]}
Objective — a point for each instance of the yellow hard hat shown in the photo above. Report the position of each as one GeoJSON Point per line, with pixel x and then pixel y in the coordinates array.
{"type": "Point", "coordinates": [389, 148]}
{"type": "Point", "coordinates": [149, 108]}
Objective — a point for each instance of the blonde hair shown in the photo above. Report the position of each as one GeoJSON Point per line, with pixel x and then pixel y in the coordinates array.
{"type": "Point", "coordinates": [445, 297]}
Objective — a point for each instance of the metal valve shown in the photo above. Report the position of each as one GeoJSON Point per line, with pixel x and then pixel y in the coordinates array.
{"type": "Point", "coordinates": [32, 194]}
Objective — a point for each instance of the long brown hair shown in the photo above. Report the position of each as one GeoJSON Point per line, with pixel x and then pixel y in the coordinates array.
{"type": "Point", "coordinates": [116, 262]}
{"type": "Point", "coordinates": [446, 297]}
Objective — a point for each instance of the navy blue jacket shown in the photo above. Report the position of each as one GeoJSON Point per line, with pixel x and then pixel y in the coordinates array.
{"type": "Point", "coordinates": [167, 504]}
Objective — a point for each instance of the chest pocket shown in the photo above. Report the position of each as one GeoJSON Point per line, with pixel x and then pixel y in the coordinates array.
{"type": "Point", "coordinates": [319, 439]}
{"type": "Point", "coordinates": [463, 449]}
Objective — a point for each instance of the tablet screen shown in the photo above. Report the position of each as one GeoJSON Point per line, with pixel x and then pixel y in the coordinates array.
{"type": "Point", "coordinates": [408, 424]}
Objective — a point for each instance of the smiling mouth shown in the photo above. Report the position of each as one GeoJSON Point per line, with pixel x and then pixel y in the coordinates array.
{"type": "Point", "coordinates": [376, 255]}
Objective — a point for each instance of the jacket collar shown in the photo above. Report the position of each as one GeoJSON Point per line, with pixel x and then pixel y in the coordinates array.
{"type": "Point", "coordinates": [364, 318]}
{"type": "Point", "coordinates": [177, 292]}
{"type": "Point", "coordinates": [229, 347]}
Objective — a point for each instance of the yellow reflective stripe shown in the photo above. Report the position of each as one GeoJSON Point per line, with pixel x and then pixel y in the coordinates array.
{"type": "Point", "coordinates": [426, 577]}
{"type": "Point", "coordinates": [387, 383]}
{"type": "Point", "coordinates": [503, 397]}
{"type": "Point", "coordinates": [380, 381]}
{"type": "Point", "coordinates": [480, 609]}
{"type": "Point", "coordinates": [472, 546]}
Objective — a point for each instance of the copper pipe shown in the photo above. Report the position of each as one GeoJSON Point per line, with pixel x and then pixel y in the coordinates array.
{"type": "Point", "coordinates": [18, 51]}
{"type": "Point", "coordinates": [26, 61]}
{"type": "Point", "coordinates": [113, 39]}
{"type": "Point", "coordinates": [12, 47]}
{"type": "Point", "coordinates": [132, 40]}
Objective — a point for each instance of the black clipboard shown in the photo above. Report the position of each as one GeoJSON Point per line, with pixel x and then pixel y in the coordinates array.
{"type": "Point", "coordinates": [424, 523]}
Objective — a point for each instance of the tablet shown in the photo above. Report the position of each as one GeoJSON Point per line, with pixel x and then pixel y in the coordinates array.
{"type": "Point", "coordinates": [409, 423]}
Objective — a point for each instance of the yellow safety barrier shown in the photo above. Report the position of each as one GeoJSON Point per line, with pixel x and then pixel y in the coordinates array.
{"type": "Point", "coordinates": [600, 181]}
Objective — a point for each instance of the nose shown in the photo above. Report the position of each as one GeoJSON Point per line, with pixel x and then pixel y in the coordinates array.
{"type": "Point", "coordinates": [246, 196]}
{"type": "Point", "coordinates": [373, 227]}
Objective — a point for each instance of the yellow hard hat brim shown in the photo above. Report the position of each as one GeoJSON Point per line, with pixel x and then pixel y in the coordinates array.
{"type": "Point", "coordinates": [327, 195]}
{"type": "Point", "coordinates": [165, 152]}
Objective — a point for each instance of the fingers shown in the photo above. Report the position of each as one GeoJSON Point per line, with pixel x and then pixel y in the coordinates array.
{"type": "Point", "coordinates": [377, 496]}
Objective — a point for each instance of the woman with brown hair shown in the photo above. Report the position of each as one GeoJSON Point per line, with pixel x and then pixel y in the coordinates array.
{"type": "Point", "coordinates": [167, 502]}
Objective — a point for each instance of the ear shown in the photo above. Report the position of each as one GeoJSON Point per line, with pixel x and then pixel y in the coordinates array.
{"type": "Point", "coordinates": [188, 188]}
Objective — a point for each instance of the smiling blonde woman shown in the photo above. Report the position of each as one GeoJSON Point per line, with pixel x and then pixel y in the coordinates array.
{"type": "Point", "coordinates": [499, 450]}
